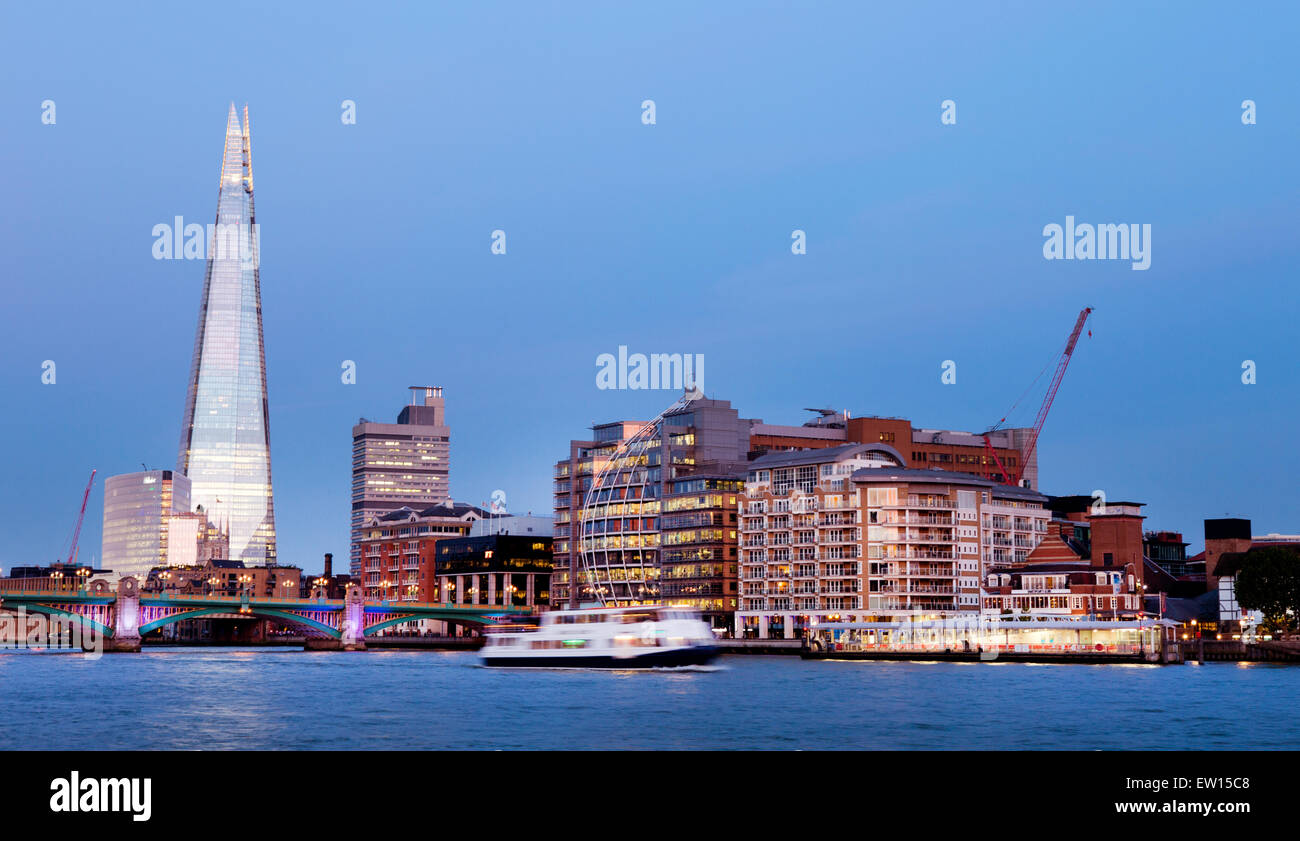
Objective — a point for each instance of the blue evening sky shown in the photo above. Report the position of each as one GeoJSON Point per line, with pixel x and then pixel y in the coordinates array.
{"type": "Point", "coordinates": [924, 240]}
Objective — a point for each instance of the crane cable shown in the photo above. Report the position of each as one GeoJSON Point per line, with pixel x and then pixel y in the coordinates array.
{"type": "Point", "coordinates": [1054, 360]}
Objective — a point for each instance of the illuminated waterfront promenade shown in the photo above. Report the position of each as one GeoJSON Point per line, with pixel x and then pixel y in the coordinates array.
{"type": "Point", "coordinates": [1040, 639]}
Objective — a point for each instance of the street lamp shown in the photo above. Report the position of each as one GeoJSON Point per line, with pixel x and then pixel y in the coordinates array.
{"type": "Point", "coordinates": [82, 575]}
{"type": "Point", "coordinates": [56, 579]}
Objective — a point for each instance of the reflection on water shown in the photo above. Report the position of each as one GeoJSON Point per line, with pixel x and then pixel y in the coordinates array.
{"type": "Point", "coordinates": [280, 698]}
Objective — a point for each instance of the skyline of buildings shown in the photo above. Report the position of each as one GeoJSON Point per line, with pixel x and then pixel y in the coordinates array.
{"type": "Point", "coordinates": [225, 446]}
{"type": "Point", "coordinates": [645, 511]}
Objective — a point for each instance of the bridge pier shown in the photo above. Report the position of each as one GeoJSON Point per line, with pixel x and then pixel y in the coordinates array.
{"type": "Point", "coordinates": [126, 618]}
{"type": "Point", "coordinates": [353, 623]}
{"type": "Point", "coordinates": [352, 626]}
{"type": "Point", "coordinates": [331, 644]}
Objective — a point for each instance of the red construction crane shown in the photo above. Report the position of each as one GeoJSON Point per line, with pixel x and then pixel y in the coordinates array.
{"type": "Point", "coordinates": [1013, 477]}
{"type": "Point", "coordinates": [76, 533]}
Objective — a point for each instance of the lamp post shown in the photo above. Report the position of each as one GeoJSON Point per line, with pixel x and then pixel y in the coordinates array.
{"type": "Point", "coordinates": [82, 575]}
{"type": "Point", "coordinates": [56, 580]}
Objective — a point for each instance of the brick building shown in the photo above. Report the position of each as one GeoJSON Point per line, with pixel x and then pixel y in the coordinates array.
{"type": "Point", "coordinates": [220, 577]}
{"type": "Point", "coordinates": [1228, 545]}
{"type": "Point", "coordinates": [398, 549]}
{"type": "Point", "coordinates": [939, 449]}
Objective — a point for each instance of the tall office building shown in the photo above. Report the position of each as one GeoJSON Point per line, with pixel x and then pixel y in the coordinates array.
{"type": "Point", "coordinates": [138, 508]}
{"type": "Point", "coordinates": [225, 445]}
{"type": "Point", "coordinates": [397, 465]}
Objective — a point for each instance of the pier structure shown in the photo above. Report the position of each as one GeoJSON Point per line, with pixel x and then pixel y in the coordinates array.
{"type": "Point", "coordinates": [1040, 639]}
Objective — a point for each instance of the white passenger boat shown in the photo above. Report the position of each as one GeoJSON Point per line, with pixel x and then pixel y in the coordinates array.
{"type": "Point", "coordinates": [606, 638]}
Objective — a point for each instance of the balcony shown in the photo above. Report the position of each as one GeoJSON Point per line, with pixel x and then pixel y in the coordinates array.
{"type": "Point", "coordinates": [917, 554]}
{"type": "Point", "coordinates": [924, 503]}
{"type": "Point", "coordinates": [893, 589]}
{"type": "Point", "coordinates": [918, 570]}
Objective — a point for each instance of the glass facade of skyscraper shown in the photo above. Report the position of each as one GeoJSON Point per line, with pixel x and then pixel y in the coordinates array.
{"type": "Point", "coordinates": [225, 445]}
{"type": "Point", "coordinates": [137, 507]}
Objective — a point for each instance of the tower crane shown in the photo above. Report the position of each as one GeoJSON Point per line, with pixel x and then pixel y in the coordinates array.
{"type": "Point", "coordinates": [81, 515]}
{"type": "Point", "coordinates": [1013, 477]}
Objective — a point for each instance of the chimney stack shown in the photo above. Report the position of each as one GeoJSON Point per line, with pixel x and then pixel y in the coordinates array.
{"type": "Point", "coordinates": [329, 565]}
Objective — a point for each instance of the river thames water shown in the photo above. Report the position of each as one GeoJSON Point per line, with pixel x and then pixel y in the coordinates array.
{"type": "Point", "coordinates": [213, 698]}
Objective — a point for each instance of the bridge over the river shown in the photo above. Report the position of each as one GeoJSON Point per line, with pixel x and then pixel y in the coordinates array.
{"type": "Point", "coordinates": [121, 617]}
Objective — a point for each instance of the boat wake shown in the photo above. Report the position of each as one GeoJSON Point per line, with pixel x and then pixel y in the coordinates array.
{"type": "Point", "coordinates": [703, 668]}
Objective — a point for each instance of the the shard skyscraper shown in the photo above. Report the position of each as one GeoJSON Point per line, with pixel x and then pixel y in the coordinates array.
{"type": "Point", "coordinates": [226, 437]}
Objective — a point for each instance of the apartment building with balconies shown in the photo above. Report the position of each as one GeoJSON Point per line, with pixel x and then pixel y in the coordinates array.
{"type": "Point", "coordinates": [801, 537]}
{"type": "Point", "coordinates": [848, 533]}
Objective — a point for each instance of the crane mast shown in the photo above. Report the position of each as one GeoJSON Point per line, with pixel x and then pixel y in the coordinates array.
{"type": "Point", "coordinates": [81, 515]}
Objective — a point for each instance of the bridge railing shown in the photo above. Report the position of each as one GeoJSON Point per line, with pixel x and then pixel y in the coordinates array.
{"type": "Point", "coordinates": [61, 594]}
{"type": "Point", "coordinates": [398, 606]}
{"type": "Point", "coordinates": [294, 600]}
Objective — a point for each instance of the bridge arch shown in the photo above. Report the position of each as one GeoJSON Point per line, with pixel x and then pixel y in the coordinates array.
{"type": "Point", "coordinates": [49, 610]}
{"type": "Point", "coordinates": [450, 617]}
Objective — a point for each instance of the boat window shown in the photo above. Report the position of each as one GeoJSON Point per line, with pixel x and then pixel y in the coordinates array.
{"type": "Point", "coordinates": [633, 618]}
